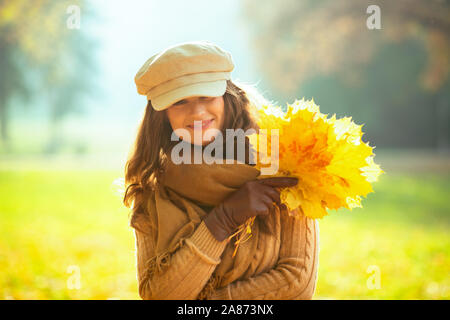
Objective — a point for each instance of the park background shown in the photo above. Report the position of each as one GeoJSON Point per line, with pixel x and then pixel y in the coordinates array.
{"type": "Point", "coordinates": [69, 112]}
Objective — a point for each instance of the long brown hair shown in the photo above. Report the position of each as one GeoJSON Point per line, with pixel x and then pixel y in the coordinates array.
{"type": "Point", "coordinates": [145, 163]}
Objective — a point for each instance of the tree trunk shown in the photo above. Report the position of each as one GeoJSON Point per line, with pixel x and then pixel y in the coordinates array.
{"type": "Point", "coordinates": [442, 125]}
{"type": "Point", "coordinates": [4, 137]}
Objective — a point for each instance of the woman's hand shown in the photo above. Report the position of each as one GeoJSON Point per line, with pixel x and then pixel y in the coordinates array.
{"type": "Point", "coordinates": [256, 197]}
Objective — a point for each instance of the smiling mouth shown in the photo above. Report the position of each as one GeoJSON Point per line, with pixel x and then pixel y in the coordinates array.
{"type": "Point", "coordinates": [201, 124]}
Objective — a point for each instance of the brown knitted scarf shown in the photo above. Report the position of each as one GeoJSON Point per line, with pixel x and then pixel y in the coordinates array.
{"type": "Point", "coordinates": [178, 202]}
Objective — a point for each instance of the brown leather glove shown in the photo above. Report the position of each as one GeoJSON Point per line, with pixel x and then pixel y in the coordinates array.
{"type": "Point", "coordinates": [254, 198]}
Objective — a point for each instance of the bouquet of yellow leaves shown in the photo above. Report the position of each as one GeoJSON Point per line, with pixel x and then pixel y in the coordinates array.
{"type": "Point", "coordinates": [334, 166]}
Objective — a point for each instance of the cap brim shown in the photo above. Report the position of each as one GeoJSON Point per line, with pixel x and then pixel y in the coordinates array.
{"type": "Point", "coordinates": [208, 89]}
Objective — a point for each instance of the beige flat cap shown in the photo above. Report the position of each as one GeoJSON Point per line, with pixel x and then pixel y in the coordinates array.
{"type": "Point", "coordinates": [197, 68]}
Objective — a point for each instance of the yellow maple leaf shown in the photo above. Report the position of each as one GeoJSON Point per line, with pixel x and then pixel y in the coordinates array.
{"type": "Point", "coordinates": [334, 166]}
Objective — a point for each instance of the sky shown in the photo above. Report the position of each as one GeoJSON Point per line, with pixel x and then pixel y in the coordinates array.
{"type": "Point", "coordinates": [126, 34]}
{"type": "Point", "coordinates": [130, 34]}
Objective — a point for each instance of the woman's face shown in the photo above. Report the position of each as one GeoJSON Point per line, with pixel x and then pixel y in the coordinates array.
{"type": "Point", "coordinates": [208, 111]}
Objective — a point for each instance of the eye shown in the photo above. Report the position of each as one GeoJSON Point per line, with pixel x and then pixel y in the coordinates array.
{"type": "Point", "coordinates": [206, 98]}
{"type": "Point", "coordinates": [179, 102]}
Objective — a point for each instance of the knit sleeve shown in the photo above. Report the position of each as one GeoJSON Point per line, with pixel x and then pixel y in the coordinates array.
{"type": "Point", "coordinates": [295, 275]}
{"type": "Point", "coordinates": [180, 275]}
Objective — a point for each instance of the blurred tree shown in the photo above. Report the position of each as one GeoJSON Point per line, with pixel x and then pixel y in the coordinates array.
{"type": "Point", "coordinates": [297, 43]}
{"type": "Point", "coordinates": [11, 83]}
{"type": "Point", "coordinates": [312, 37]}
{"type": "Point", "coordinates": [43, 58]}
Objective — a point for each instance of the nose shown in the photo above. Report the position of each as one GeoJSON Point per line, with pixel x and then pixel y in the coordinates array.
{"type": "Point", "coordinates": [198, 108]}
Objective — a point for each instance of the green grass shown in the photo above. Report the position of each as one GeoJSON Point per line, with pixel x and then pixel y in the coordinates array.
{"type": "Point", "coordinates": [402, 230]}
{"type": "Point", "coordinates": [54, 219]}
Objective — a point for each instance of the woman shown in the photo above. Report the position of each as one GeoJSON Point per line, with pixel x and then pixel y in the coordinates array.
{"type": "Point", "coordinates": [184, 213]}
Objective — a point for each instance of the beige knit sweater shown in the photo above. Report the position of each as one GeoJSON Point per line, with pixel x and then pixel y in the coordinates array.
{"type": "Point", "coordinates": [281, 264]}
